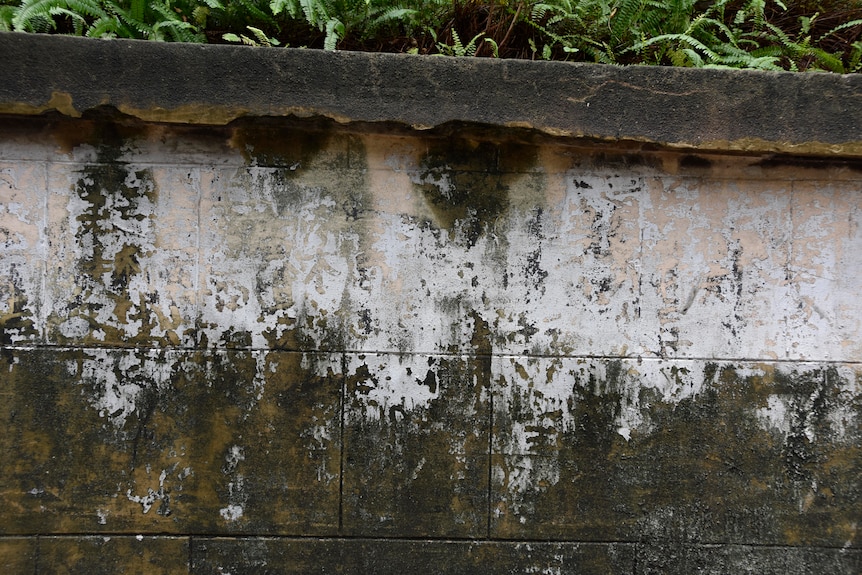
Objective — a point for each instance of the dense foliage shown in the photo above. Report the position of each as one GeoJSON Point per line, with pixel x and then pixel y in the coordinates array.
{"type": "Point", "coordinates": [767, 34]}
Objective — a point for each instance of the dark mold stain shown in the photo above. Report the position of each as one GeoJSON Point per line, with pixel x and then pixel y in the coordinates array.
{"type": "Point", "coordinates": [692, 161]}
{"type": "Point", "coordinates": [534, 275]}
{"type": "Point", "coordinates": [811, 162]}
{"type": "Point", "coordinates": [414, 470]}
{"type": "Point", "coordinates": [274, 144]}
{"type": "Point", "coordinates": [17, 323]}
{"type": "Point", "coordinates": [462, 187]}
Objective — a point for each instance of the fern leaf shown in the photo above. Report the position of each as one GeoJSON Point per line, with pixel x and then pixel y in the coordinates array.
{"type": "Point", "coordinates": [693, 57]}
{"type": "Point", "coordinates": [854, 62]}
{"type": "Point", "coordinates": [107, 27]}
{"type": "Point", "coordinates": [840, 27]}
{"type": "Point", "coordinates": [78, 21]}
{"type": "Point", "coordinates": [91, 8]}
{"type": "Point", "coordinates": [626, 14]}
{"type": "Point", "coordinates": [137, 9]}
{"type": "Point", "coordinates": [263, 38]}
{"type": "Point", "coordinates": [495, 48]}
{"type": "Point", "coordinates": [31, 10]}
{"type": "Point", "coordinates": [457, 46]}
{"type": "Point", "coordinates": [472, 45]}
{"type": "Point", "coordinates": [405, 15]}
{"type": "Point", "coordinates": [334, 33]}
{"type": "Point", "coordinates": [827, 61]}
{"type": "Point", "coordinates": [7, 13]}
{"type": "Point", "coordinates": [200, 14]}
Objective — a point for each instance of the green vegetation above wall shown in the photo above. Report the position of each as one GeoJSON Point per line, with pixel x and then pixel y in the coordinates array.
{"type": "Point", "coordinates": [797, 35]}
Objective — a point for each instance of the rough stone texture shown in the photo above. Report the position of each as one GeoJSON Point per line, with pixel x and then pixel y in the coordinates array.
{"type": "Point", "coordinates": [287, 345]}
{"type": "Point", "coordinates": [715, 109]}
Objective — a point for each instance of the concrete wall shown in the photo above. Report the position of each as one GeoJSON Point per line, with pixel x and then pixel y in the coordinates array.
{"type": "Point", "coordinates": [253, 342]}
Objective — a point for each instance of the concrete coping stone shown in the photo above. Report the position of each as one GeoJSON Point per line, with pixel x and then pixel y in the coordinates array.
{"type": "Point", "coordinates": [707, 109]}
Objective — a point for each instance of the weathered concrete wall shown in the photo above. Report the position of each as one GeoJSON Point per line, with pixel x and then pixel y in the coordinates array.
{"type": "Point", "coordinates": [290, 346]}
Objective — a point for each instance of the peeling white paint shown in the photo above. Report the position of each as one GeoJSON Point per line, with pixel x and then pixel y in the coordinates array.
{"type": "Point", "coordinates": [774, 416]}
{"type": "Point", "coordinates": [237, 497]}
{"type": "Point", "coordinates": [231, 513]}
{"type": "Point", "coordinates": [234, 456]}
{"type": "Point", "coordinates": [118, 379]}
{"type": "Point", "coordinates": [395, 386]}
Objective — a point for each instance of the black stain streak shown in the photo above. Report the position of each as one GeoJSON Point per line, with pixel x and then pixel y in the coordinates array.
{"type": "Point", "coordinates": [528, 329]}
{"type": "Point", "coordinates": [533, 273]}
{"type": "Point", "coordinates": [430, 381]}
{"type": "Point", "coordinates": [365, 321]}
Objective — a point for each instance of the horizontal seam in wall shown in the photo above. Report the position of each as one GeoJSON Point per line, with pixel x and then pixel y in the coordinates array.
{"type": "Point", "coordinates": [467, 354]}
{"type": "Point", "coordinates": [454, 540]}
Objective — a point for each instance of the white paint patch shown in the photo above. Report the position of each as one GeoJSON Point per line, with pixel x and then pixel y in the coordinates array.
{"type": "Point", "coordinates": [396, 385]}
{"type": "Point", "coordinates": [774, 417]}
{"type": "Point", "coordinates": [235, 455]}
{"type": "Point", "coordinates": [231, 512]}
{"type": "Point", "coordinates": [237, 497]}
{"type": "Point", "coordinates": [147, 501]}
{"type": "Point", "coordinates": [118, 377]}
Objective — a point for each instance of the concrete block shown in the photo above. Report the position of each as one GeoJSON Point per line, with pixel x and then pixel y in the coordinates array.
{"type": "Point", "coordinates": [137, 555]}
{"type": "Point", "coordinates": [716, 559]}
{"type": "Point", "coordinates": [416, 446]}
{"type": "Point", "coordinates": [675, 451]}
{"type": "Point", "coordinates": [18, 554]}
{"type": "Point", "coordinates": [143, 441]}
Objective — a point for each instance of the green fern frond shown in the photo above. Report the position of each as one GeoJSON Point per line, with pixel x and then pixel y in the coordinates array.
{"type": "Point", "coordinates": [334, 32]}
{"type": "Point", "coordinates": [136, 10]}
{"type": "Point", "coordinates": [840, 27]}
{"type": "Point", "coordinates": [827, 61]}
{"type": "Point", "coordinates": [7, 13]}
{"type": "Point", "coordinates": [78, 21]}
{"type": "Point", "coordinates": [262, 38]}
{"type": "Point", "coordinates": [35, 15]}
{"type": "Point", "coordinates": [695, 58]}
{"type": "Point", "coordinates": [130, 27]}
{"type": "Point", "coordinates": [626, 12]}
{"type": "Point", "coordinates": [537, 13]}
{"type": "Point", "coordinates": [392, 14]}
{"type": "Point", "coordinates": [495, 48]}
{"type": "Point", "coordinates": [91, 8]}
{"type": "Point", "coordinates": [200, 14]}
{"type": "Point", "coordinates": [854, 61]}
{"type": "Point", "coordinates": [457, 46]}
{"type": "Point", "coordinates": [107, 27]}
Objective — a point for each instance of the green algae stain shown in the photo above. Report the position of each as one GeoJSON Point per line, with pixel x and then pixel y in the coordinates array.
{"type": "Point", "coordinates": [142, 441]}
